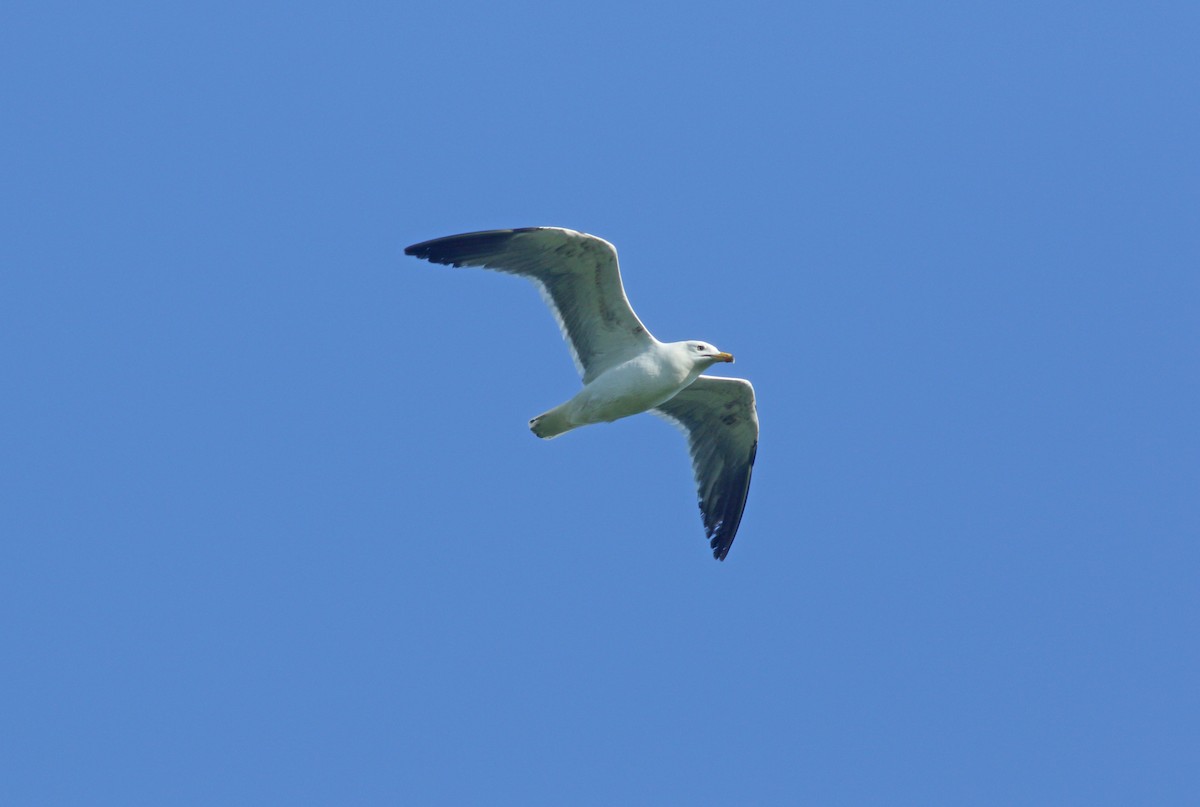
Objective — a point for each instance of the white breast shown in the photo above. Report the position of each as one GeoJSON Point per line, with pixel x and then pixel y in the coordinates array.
{"type": "Point", "coordinates": [634, 386]}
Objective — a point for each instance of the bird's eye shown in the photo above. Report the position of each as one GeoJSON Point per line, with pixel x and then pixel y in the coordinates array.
{"type": "Point", "coordinates": [698, 347]}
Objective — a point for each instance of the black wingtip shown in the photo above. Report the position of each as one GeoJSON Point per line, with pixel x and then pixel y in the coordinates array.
{"type": "Point", "coordinates": [463, 249]}
{"type": "Point", "coordinates": [720, 546]}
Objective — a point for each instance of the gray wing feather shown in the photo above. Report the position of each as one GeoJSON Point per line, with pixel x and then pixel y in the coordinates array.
{"type": "Point", "coordinates": [720, 421]}
{"type": "Point", "coordinates": [578, 277]}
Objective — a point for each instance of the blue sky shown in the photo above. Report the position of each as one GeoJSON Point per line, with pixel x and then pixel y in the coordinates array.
{"type": "Point", "coordinates": [275, 531]}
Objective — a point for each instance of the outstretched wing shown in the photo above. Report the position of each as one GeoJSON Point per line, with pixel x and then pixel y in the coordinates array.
{"type": "Point", "coordinates": [721, 424]}
{"type": "Point", "coordinates": [578, 277]}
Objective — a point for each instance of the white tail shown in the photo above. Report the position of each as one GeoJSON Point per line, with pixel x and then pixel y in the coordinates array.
{"type": "Point", "coordinates": [550, 424]}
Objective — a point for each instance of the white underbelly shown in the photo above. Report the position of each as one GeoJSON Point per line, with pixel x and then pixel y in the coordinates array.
{"type": "Point", "coordinates": [625, 390]}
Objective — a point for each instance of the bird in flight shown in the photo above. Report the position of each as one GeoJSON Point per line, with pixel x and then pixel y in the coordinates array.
{"type": "Point", "coordinates": [625, 370]}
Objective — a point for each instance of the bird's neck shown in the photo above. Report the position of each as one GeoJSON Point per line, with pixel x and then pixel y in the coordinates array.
{"type": "Point", "coordinates": [685, 363]}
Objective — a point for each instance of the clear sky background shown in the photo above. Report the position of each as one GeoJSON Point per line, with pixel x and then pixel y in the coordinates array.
{"type": "Point", "coordinates": [274, 530]}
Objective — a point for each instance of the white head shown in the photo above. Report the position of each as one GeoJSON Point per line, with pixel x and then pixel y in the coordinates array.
{"type": "Point", "coordinates": [704, 354]}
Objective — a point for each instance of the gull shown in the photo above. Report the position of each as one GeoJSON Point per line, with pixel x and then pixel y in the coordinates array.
{"type": "Point", "coordinates": [625, 370]}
